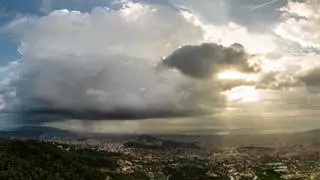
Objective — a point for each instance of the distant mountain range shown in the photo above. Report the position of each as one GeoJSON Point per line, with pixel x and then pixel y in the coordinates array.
{"type": "Point", "coordinates": [236, 140]}
{"type": "Point", "coordinates": [36, 132]}
{"type": "Point", "coordinates": [157, 141]}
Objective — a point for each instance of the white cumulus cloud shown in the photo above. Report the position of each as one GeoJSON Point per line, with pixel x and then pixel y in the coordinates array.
{"type": "Point", "coordinates": [103, 60]}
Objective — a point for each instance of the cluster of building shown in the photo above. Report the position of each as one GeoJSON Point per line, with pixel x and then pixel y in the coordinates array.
{"type": "Point", "coordinates": [300, 162]}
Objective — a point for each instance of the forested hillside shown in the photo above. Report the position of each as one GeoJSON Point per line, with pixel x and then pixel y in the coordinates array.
{"type": "Point", "coordinates": [43, 160]}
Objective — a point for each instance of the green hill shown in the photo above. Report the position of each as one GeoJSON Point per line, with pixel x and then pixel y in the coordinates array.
{"type": "Point", "coordinates": [43, 160]}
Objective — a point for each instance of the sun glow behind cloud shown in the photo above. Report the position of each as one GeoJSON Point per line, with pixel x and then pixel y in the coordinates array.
{"type": "Point", "coordinates": [236, 75]}
{"type": "Point", "coordinates": [242, 94]}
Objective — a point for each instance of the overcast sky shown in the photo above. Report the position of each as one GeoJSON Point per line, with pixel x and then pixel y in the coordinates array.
{"type": "Point", "coordinates": [183, 66]}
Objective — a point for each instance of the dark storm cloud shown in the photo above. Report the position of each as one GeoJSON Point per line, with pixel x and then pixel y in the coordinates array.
{"type": "Point", "coordinates": [202, 61]}
{"type": "Point", "coordinates": [117, 114]}
{"type": "Point", "coordinates": [312, 77]}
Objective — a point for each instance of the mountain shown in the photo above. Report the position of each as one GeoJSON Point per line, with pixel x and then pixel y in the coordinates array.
{"type": "Point", "coordinates": [172, 141]}
{"type": "Point", "coordinates": [150, 142]}
{"type": "Point", "coordinates": [36, 132]}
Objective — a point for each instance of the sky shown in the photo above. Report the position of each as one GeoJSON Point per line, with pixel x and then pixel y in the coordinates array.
{"type": "Point", "coordinates": [161, 66]}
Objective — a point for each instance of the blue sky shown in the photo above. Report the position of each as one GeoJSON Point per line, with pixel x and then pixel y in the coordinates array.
{"type": "Point", "coordinates": [9, 10]}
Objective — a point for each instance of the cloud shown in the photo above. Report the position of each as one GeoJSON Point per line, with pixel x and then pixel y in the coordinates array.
{"type": "Point", "coordinates": [143, 61]}
{"type": "Point", "coordinates": [299, 30]}
{"type": "Point", "coordinates": [296, 70]}
{"type": "Point", "coordinates": [302, 23]}
{"type": "Point", "coordinates": [9, 76]}
{"type": "Point", "coordinates": [202, 61]}
{"type": "Point", "coordinates": [106, 63]}
{"type": "Point", "coordinates": [46, 6]}
{"type": "Point", "coordinates": [239, 12]}
{"type": "Point", "coordinates": [311, 77]}
{"type": "Point", "coordinates": [278, 80]}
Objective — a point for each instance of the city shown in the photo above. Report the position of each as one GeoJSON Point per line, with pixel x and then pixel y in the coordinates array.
{"type": "Point", "coordinates": [251, 162]}
{"type": "Point", "coordinates": [172, 157]}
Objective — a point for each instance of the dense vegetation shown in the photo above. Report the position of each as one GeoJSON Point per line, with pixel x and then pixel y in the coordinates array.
{"type": "Point", "coordinates": [40, 160]}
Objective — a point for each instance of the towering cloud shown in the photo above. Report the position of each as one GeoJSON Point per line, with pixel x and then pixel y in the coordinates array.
{"type": "Point", "coordinates": [107, 61]}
